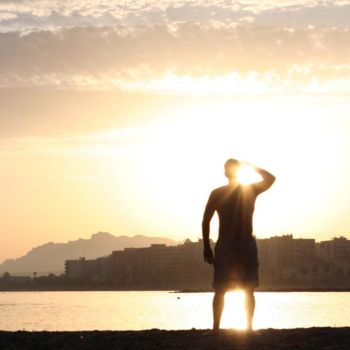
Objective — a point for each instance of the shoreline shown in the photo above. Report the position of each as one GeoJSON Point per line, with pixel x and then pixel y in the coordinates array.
{"type": "Point", "coordinates": [300, 338]}
{"type": "Point", "coordinates": [263, 290]}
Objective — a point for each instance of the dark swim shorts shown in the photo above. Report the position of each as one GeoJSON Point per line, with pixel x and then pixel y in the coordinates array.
{"type": "Point", "coordinates": [236, 264]}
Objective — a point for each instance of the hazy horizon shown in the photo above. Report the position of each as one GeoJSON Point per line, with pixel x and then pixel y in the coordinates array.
{"type": "Point", "coordinates": [180, 241]}
{"type": "Point", "coordinates": [118, 116]}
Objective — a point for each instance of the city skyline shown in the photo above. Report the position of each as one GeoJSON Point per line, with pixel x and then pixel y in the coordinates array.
{"type": "Point", "coordinates": [284, 262]}
{"type": "Point", "coordinates": [179, 242]}
{"type": "Point", "coordinates": [292, 261]}
{"type": "Point", "coordinates": [119, 117]}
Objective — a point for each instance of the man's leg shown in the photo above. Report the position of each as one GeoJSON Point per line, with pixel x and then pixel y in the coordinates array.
{"type": "Point", "coordinates": [249, 307]}
{"type": "Point", "coordinates": [218, 307]}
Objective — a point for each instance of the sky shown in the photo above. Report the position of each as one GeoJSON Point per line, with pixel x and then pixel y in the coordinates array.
{"type": "Point", "coordinates": [118, 116]}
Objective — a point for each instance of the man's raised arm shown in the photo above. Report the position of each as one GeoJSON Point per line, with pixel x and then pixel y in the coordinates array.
{"type": "Point", "coordinates": [267, 179]}
{"type": "Point", "coordinates": [208, 214]}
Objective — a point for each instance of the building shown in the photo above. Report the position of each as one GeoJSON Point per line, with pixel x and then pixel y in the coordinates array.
{"type": "Point", "coordinates": [334, 258]}
{"type": "Point", "coordinates": [283, 262]}
{"type": "Point", "coordinates": [94, 269]}
{"type": "Point", "coordinates": [336, 251]}
{"type": "Point", "coordinates": [285, 258]}
{"type": "Point", "coordinates": [161, 266]}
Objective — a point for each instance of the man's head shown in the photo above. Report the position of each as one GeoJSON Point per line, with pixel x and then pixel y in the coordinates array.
{"type": "Point", "coordinates": [231, 168]}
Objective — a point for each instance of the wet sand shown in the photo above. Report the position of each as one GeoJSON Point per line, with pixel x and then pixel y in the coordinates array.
{"type": "Point", "coordinates": [304, 338]}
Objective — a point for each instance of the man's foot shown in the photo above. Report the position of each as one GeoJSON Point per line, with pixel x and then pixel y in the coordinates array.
{"type": "Point", "coordinates": [213, 331]}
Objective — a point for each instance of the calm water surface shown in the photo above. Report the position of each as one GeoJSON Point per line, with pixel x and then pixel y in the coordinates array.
{"type": "Point", "coordinates": [144, 310]}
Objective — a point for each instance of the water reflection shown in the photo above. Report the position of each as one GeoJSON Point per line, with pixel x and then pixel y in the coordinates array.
{"type": "Point", "coordinates": [164, 310]}
{"type": "Point", "coordinates": [234, 313]}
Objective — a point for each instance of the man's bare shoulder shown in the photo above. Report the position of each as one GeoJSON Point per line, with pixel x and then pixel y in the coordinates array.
{"type": "Point", "coordinates": [217, 192]}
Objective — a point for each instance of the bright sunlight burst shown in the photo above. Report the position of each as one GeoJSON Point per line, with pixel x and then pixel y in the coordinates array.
{"type": "Point", "coordinates": [247, 175]}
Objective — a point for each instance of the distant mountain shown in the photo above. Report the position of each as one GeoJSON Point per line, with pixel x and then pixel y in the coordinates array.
{"type": "Point", "coordinates": [50, 257]}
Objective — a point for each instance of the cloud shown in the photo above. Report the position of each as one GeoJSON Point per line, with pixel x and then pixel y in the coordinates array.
{"type": "Point", "coordinates": [303, 79]}
{"type": "Point", "coordinates": [242, 57]}
{"type": "Point", "coordinates": [172, 47]}
{"type": "Point", "coordinates": [55, 14]}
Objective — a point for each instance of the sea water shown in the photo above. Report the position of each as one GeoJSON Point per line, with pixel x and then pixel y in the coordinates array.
{"type": "Point", "coordinates": [134, 310]}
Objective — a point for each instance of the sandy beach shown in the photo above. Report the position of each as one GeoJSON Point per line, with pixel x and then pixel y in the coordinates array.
{"type": "Point", "coordinates": [304, 338]}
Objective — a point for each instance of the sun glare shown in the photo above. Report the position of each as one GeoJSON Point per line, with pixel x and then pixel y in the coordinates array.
{"type": "Point", "coordinates": [247, 175]}
{"type": "Point", "coordinates": [234, 315]}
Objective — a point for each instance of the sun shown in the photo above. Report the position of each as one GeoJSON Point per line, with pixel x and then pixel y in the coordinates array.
{"type": "Point", "coordinates": [247, 175]}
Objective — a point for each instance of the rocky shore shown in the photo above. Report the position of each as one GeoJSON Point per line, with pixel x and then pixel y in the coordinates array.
{"type": "Point", "coordinates": [267, 339]}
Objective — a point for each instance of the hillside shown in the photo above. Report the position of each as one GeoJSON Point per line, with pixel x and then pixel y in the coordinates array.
{"type": "Point", "coordinates": [50, 257]}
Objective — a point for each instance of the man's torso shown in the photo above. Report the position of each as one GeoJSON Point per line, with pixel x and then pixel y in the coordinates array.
{"type": "Point", "coordinates": [235, 208]}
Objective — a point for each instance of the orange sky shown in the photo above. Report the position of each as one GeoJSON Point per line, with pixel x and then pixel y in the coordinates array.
{"type": "Point", "coordinates": [125, 128]}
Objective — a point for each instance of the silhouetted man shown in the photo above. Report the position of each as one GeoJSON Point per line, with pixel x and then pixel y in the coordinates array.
{"type": "Point", "coordinates": [235, 260]}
